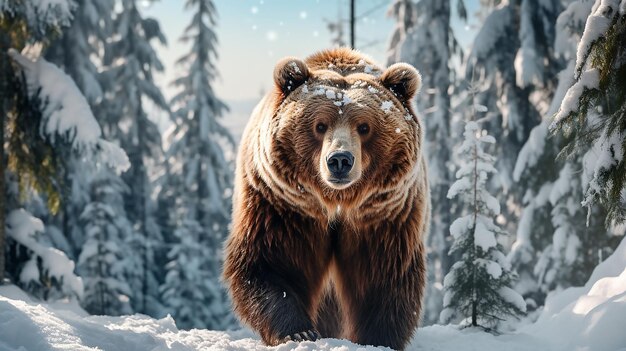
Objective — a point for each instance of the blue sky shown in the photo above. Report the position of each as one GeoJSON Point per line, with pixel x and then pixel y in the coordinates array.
{"type": "Point", "coordinates": [254, 34]}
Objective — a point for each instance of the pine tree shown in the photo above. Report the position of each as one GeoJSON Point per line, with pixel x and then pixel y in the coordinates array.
{"type": "Point", "coordinates": [43, 113]}
{"type": "Point", "coordinates": [556, 247]}
{"type": "Point", "coordinates": [21, 23]}
{"type": "Point", "coordinates": [593, 111]}
{"type": "Point", "coordinates": [190, 291]}
{"type": "Point", "coordinates": [478, 285]}
{"type": "Point", "coordinates": [514, 61]}
{"type": "Point", "coordinates": [78, 51]}
{"type": "Point", "coordinates": [103, 260]}
{"type": "Point", "coordinates": [512, 56]}
{"type": "Point", "coordinates": [130, 62]}
{"type": "Point", "coordinates": [576, 247]}
{"type": "Point", "coordinates": [54, 116]}
{"type": "Point", "coordinates": [430, 45]}
{"type": "Point", "coordinates": [203, 182]}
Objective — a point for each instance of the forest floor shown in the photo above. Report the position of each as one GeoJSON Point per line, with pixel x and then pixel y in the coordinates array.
{"type": "Point", "coordinates": [27, 325]}
{"type": "Point", "coordinates": [589, 318]}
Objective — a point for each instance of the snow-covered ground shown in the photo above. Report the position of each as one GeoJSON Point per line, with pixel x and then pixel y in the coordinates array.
{"type": "Point", "coordinates": [27, 325]}
{"type": "Point", "coordinates": [590, 318]}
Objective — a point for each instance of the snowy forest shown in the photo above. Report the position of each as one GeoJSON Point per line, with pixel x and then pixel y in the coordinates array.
{"type": "Point", "coordinates": [116, 185]}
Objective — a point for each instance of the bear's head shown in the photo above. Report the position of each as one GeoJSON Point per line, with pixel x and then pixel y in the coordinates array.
{"type": "Point", "coordinates": [344, 128]}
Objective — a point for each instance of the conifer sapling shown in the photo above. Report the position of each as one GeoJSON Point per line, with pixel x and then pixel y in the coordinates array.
{"type": "Point", "coordinates": [478, 285]}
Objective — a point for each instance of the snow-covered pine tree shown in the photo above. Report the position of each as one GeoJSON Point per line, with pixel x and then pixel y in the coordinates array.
{"type": "Point", "coordinates": [537, 169]}
{"type": "Point", "coordinates": [512, 55]}
{"type": "Point", "coordinates": [593, 111]}
{"type": "Point", "coordinates": [430, 45]}
{"type": "Point", "coordinates": [62, 122]}
{"type": "Point", "coordinates": [203, 182]}
{"type": "Point", "coordinates": [555, 247]}
{"type": "Point", "coordinates": [103, 260]}
{"type": "Point", "coordinates": [190, 291]}
{"type": "Point", "coordinates": [576, 246]}
{"type": "Point", "coordinates": [22, 22]}
{"type": "Point", "coordinates": [78, 51]}
{"type": "Point", "coordinates": [44, 113]}
{"type": "Point", "coordinates": [478, 287]}
{"type": "Point", "coordinates": [130, 62]}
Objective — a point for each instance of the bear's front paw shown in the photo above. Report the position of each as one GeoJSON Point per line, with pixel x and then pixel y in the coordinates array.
{"type": "Point", "coordinates": [309, 335]}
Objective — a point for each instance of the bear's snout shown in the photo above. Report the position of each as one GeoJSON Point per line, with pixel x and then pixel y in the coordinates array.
{"type": "Point", "coordinates": [340, 164]}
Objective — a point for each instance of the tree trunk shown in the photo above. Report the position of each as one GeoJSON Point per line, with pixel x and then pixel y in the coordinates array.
{"type": "Point", "coordinates": [473, 251]}
{"type": "Point", "coordinates": [5, 97]}
{"type": "Point", "coordinates": [142, 214]}
{"type": "Point", "coordinates": [474, 313]}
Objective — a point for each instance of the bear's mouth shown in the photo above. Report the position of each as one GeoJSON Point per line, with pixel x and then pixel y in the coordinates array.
{"type": "Point", "coordinates": [339, 181]}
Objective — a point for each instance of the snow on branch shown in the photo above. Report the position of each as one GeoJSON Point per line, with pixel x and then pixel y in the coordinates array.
{"type": "Point", "coordinates": [66, 113]}
{"type": "Point", "coordinates": [65, 110]}
{"type": "Point", "coordinates": [570, 22]}
{"type": "Point", "coordinates": [593, 108]}
{"type": "Point", "coordinates": [605, 153]}
{"type": "Point", "coordinates": [589, 80]}
{"type": "Point", "coordinates": [602, 14]}
{"type": "Point", "coordinates": [23, 227]}
{"type": "Point", "coordinates": [492, 30]}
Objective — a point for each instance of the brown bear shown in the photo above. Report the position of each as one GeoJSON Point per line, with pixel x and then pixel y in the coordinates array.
{"type": "Point", "coordinates": [331, 205]}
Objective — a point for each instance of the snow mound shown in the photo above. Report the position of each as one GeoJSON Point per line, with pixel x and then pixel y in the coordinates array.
{"type": "Point", "coordinates": [591, 317]}
{"type": "Point", "coordinates": [25, 324]}
{"type": "Point", "coordinates": [28, 325]}
{"type": "Point", "coordinates": [448, 337]}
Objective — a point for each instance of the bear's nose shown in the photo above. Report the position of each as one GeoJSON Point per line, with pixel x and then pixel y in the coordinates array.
{"type": "Point", "coordinates": [340, 163]}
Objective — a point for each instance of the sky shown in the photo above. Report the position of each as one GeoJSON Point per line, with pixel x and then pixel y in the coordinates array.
{"type": "Point", "coordinates": [254, 34]}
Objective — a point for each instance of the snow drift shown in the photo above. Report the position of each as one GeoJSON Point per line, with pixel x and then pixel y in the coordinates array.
{"type": "Point", "coordinates": [583, 318]}
{"type": "Point", "coordinates": [591, 317]}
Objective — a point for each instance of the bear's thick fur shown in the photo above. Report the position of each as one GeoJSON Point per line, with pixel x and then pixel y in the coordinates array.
{"type": "Point", "coordinates": [331, 205]}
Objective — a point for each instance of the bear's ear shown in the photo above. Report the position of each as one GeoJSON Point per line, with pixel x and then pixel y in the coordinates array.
{"type": "Point", "coordinates": [289, 74]}
{"type": "Point", "coordinates": [403, 80]}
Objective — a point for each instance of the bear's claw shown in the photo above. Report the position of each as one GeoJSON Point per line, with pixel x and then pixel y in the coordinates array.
{"type": "Point", "coordinates": [309, 335]}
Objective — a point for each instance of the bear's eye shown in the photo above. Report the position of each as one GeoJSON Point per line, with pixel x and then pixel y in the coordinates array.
{"type": "Point", "coordinates": [321, 128]}
{"type": "Point", "coordinates": [363, 129]}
